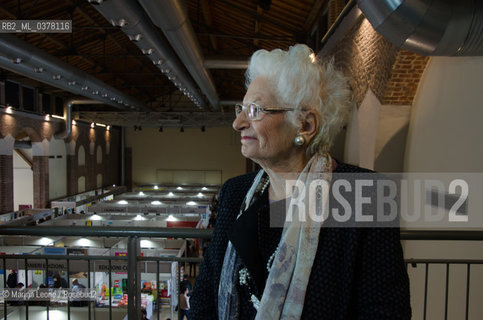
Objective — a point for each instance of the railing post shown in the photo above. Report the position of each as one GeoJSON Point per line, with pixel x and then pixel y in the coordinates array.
{"type": "Point", "coordinates": [26, 288]}
{"type": "Point", "coordinates": [47, 285]}
{"type": "Point", "coordinates": [68, 288]}
{"type": "Point", "coordinates": [133, 292]}
{"type": "Point", "coordinates": [89, 303]}
{"type": "Point", "coordinates": [5, 287]}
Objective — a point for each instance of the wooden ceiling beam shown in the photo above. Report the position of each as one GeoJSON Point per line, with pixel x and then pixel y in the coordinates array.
{"type": "Point", "coordinates": [253, 14]}
{"type": "Point", "coordinates": [207, 16]}
{"type": "Point", "coordinates": [314, 14]}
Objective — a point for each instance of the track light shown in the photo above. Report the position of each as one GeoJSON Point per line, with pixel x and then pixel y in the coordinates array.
{"type": "Point", "coordinates": [135, 37]}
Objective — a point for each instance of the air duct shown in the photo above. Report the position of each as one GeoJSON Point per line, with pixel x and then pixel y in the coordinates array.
{"type": "Point", "coordinates": [427, 27]}
{"type": "Point", "coordinates": [68, 117]}
{"type": "Point", "coordinates": [225, 64]}
{"type": "Point", "coordinates": [170, 16]}
{"type": "Point", "coordinates": [130, 17]}
{"type": "Point", "coordinates": [20, 57]}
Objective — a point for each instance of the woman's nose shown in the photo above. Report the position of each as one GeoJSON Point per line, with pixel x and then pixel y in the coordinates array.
{"type": "Point", "coordinates": [241, 122]}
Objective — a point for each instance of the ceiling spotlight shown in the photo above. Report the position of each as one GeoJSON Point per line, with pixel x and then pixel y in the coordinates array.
{"type": "Point", "coordinates": [118, 23]}
{"type": "Point", "coordinates": [158, 62]}
{"type": "Point", "coordinates": [181, 129]}
{"type": "Point", "coordinates": [71, 83]}
{"type": "Point", "coordinates": [135, 37]}
{"type": "Point", "coordinates": [95, 92]}
{"type": "Point", "coordinates": [147, 51]}
{"type": "Point", "coordinates": [93, 125]}
{"type": "Point", "coordinates": [56, 76]}
{"type": "Point", "coordinates": [84, 88]}
{"type": "Point", "coordinates": [104, 95]}
{"type": "Point", "coordinates": [108, 128]}
{"type": "Point", "coordinates": [95, 2]}
{"type": "Point", "coordinates": [38, 69]}
{"type": "Point", "coordinates": [16, 60]}
{"type": "Point", "coordinates": [113, 99]}
{"type": "Point", "coordinates": [161, 129]}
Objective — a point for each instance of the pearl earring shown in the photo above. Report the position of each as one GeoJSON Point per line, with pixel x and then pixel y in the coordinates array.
{"type": "Point", "coordinates": [299, 140]}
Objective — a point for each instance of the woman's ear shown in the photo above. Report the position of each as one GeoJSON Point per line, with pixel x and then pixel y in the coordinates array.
{"type": "Point", "coordinates": [309, 124]}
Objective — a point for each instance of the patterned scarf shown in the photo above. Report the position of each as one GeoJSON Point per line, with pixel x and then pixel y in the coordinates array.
{"type": "Point", "coordinates": [284, 294]}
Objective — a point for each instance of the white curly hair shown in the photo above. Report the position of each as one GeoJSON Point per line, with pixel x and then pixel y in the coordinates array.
{"type": "Point", "coordinates": [299, 80]}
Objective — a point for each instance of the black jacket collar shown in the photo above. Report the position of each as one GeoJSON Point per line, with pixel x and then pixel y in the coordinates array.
{"type": "Point", "coordinates": [244, 236]}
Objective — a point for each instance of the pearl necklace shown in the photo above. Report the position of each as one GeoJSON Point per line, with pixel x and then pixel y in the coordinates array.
{"type": "Point", "coordinates": [270, 260]}
{"type": "Point", "coordinates": [244, 275]}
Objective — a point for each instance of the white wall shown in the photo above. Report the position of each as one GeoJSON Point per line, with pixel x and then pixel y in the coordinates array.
{"type": "Point", "coordinates": [445, 135]}
{"type": "Point", "coordinates": [215, 149]}
{"type": "Point", "coordinates": [445, 132]}
{"type": "Point", "coordinates": [376, 135]}
{"type": "Point", "coordinates": [23, 181]}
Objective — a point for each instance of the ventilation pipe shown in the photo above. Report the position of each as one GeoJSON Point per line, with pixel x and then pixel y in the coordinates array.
{"type": "Point", "coordinates": [68, 116]}
{"type": "Point", "coordinates": [170, 16]}
{"type": "Point", "coordinates": [20, 57]}
{"type": "Point", "coordinates": [225, 64]}
{"type": "Point", "coordinates": [427, 27]}
{"type": "Point", "coordinates": [131, 18]}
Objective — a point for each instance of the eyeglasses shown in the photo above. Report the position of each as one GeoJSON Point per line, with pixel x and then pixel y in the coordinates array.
{"type": "Point", "coordinates": [254, 112]}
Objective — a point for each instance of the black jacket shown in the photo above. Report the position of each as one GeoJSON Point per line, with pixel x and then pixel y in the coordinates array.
{"type": "Point", "coordinates": [358, 273]}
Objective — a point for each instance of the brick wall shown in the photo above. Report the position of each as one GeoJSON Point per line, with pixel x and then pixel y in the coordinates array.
{"type": "Point", "coordinates": [374, 63]}
{"type": "Point", "coordinates": [39, 130]}
{"type": "Point", "coordinates": [110, 166]}
{"type": "Point", "coordinates": [40, 167]}
{"type": "Point", "coordinates": [335, 7]}
{"type": "Point", "coordinates": [366, 57]}
{"type": "Point", "coordinates": [405, 75]}
{"type": "Point", "coordinates": [6, 183]}
{"type": "Point", "coordinates": [71, 174]}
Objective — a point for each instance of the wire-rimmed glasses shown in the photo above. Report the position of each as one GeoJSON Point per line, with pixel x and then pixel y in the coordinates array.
{"type": "Point", "coordinates": [254, 112]}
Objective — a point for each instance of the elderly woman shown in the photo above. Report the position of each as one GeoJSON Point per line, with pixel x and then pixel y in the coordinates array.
{"type": "Point", "coordinates": [259, 267]}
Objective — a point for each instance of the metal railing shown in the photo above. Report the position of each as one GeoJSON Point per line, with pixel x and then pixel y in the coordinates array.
{"type": "Point", "coordinates": [133, 235]}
